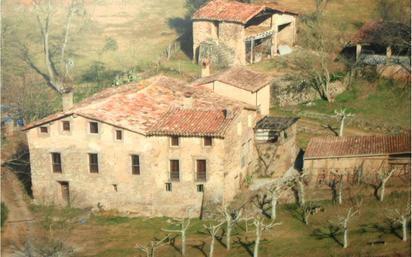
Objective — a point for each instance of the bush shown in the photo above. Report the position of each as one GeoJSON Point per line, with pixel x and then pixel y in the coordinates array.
{"type": "Point", "coordinates": [4, 213]}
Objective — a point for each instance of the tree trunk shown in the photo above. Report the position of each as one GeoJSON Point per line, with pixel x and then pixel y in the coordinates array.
{"type": "Point", "coordinates": [345, 237]}
{"type": "Point", "coordinates": [404, 229]}
{"type": "Point", "coordinates": [340, 188]}
{"type": "Point", "coordinates": [228, 235]}
{"type": "Point", "coordinates": [212, 246]}
{"type": "Point", "coordinates": [274, 205]}
{"type": "Point", "coordinates": [257, 241]}
{"type": "Point", "coordinates": [342, 125]}
{"type": "Point", "coordinates": [184, 242]}
{"type": "Point", "coordinates": [301, 193]}
{"type": "Point", "coordinates": [382, 191]}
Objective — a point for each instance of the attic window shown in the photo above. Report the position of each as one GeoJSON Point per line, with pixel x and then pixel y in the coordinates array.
{"type": "Point", "coordinates": [207, 141]}
{"type": "Point", "coordinates": [94, 127]}
{"type": "Point", "coordinates": [174, 141]}
{"type": "Point", "coordinates": [119, 134]}
{"type": "Point", "coordinates": [66, 125]}
{"type": "Point", "coordinates": [44, 129]}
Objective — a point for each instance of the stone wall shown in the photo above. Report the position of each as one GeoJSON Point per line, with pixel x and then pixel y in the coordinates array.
{"type": "Point", "coordinates": [114, 187]}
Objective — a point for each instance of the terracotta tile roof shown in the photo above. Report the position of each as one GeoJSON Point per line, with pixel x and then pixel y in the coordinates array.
{"type": "Point", "coordinates": [184, 122]}
{"type": "Point", "coordinates": [139, 107]}
{"type": "Point", "coordinates": [234, 11]}
{"type": "Point", "coordinates": [221, 10]}
{"type": "Point", "coordinates": [352, 146]}
{"type": "Point", "coordinates": [239, 77]}
{"type": "Point", "coordinates": [382, 33]}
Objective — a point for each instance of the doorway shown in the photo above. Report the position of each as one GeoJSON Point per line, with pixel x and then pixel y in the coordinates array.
{"type": "Point", "coordinates": [65, 191]}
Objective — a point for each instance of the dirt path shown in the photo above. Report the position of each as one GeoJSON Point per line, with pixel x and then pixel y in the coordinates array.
{"type": "Point", "coordinates": [316, 126]}
{"type": "Point", "coordinates": [20, 224]}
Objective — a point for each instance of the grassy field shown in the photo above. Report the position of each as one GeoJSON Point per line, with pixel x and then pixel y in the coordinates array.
{"type": "Point", "coordinates": [107, 235]}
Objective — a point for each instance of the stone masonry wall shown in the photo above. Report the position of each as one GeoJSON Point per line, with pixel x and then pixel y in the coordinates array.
{"type": "Point", "coordinates": [114, 187]}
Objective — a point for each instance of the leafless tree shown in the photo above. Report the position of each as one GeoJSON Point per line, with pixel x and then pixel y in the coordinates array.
{"type": "Point", "coordinates": [213, 229]}
{"type": "Point", "coordinates": [57, 65]}
{"type": "Point", "coordinates": [151, 247]}
{"type": "Point", "coordinates": [309, 209]}
{"type": "Point", "coordinates": [276, 191]}
{"type": "Point", "coordinates": [298, 182]}
{"type": "Point", "coordinates": [383, 179]}
{"type": "Point", "coordinates": [231, 218]}
{"type": "Point", "coordinates": [260, 227]}
{"type": "Point", "coordinates": [336, 184]}
{"type": "Point", "coordinates": [343, 223]}
{"type": "Point", "coordinates": [182, 225]}
{"type": "Point", "coordinates": [341, 116]}
{"type": "Point", "coordinates": [400, 216]}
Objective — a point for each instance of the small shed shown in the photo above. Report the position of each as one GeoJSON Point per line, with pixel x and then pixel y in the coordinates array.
{"type": "Point", "coordinates": [275, 129]}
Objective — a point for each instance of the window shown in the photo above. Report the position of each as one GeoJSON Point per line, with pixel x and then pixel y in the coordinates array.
{"type": "Point", "coordinates": [174, 170]}
{"type": "Point", "coordinates": [93, 163]}
{"type": "Point", "coordinates": [135, 165]}
{"type": "Point", "coordinates": [169, 187]}
{"type": "Point", "coordinates": [119, 134]}
{"type": "Point", "coordinates": [56, 162]}
{"type": "Point", "coordinates": [66, 125]}
{"type": "Point", "coordinates": [200, 188]}
{"type": "Point", "coordinates": [201, 170]}
{"type": "Point", "coordinates": [44, 129]}
{"type": "Point", "coordinates": [207, 141]}
{"type": "Point", "coordinates": [94, 127]}
{"type": "Point", "coordinates": [174, 141]}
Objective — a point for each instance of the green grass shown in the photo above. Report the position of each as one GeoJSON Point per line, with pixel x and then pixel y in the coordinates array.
{"type": "Point", "coordinates": [4, 213]}
{"type": "Point", "coordinates": [104, 235]}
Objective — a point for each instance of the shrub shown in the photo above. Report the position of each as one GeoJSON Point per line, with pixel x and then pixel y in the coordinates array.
{"type": "Point", "coordinates": [4, 213]}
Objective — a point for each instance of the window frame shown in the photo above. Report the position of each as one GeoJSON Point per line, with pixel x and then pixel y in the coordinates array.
{"type": "Point", "coordinates": [97, 127]}
{"type": "Point", "coordinates": [63, 122]}
{"type": "Point", "coordinates": [42, 132]}
{"type": "Point", "coordinates": [172, 172]}
{"type": "Point", "coordinates": [57, 167]}
{"type": "Point", "coordinates": [116, 131]}
{"type": "Point", "coordinates": [133, 165]}
{"type": "Point", "coordinates": [200, 188]}
{"type": "Point", "coordinates": [168, 187]}
{"type": "Point", "coordinates": [96, 165]}
{"type": "Point", "coordinates": [207, 138]}
{"type": "Point", "coordinates": [171, 141]}
{"type": "Point", "coordinates": [202, 178]}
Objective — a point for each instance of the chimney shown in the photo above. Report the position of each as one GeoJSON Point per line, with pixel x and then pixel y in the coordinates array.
{"type": "Point", "coordinates": [188, 100]}
{"type": "Point", "coordinates": [228, 113]}
{"type": "Point", "coordinates": [67, 99]}
{"type": "Point", "coordinates": [205, 67]}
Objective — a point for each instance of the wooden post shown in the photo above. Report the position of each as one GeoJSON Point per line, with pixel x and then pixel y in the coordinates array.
{"type": "Point", "coordinates": [252, 42]}
{"type": "Point", "coordinates": [358, 51]}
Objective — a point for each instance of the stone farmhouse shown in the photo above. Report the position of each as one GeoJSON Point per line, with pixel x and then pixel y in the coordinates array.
{"type": "Point", "coordinates": [357, 155]}
{"type": "Point", "coordinates": [154, 148]}
{"type": "Point", "coordinates": [234, 33]}
{"type": "Point", "coordinates": [241, 84]}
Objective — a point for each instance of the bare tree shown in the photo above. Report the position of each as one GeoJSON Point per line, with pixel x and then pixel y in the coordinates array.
{"type": "Point", "coordinates": [336, 184]}
{"type": "Point", "coordinates": [298, 182]}
{"type": "Point", "coordinates": [309, 209]}
{"type": "Point", "coordinates": [151, 247]}
{"type": "Point", "coordinates": [57, 65]}
{"type": "Point", "coordinates": [260, 227]}
{"type": "Point", "coordinates": [383, 178]}
{"type": "Point", "coordinates": [213, 229]}
{"type": "Point", "coordinates": [341, 116]}
{"type": "Point", "coordinates": [343, 223]}
{"type": "Point", "coordinates": [400, 216]}
{"type": "Point", "coordinates": [231, 218]}
{"type": "Point", "coordinates": [275, 191]}
{"type": "Point", "coordinates": [182, 225]}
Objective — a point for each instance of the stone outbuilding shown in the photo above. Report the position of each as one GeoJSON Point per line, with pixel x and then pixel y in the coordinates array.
{"type": "Point", "coordinates": [153, 148]}
{"type": "Point", "coordinates": [275, 141]}
{"type": "Point", "coordinates": [241, 84]}
{"type": "Point", "coordinates": [357, 156]}
{"type": "Point", "coordinates": [233, 33]}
